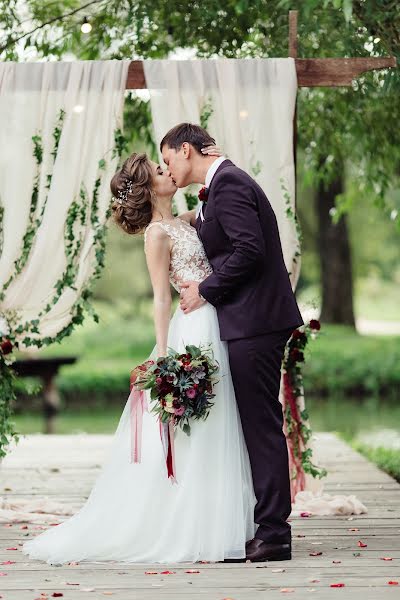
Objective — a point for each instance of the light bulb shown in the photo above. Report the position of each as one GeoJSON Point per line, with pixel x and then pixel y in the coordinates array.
{"type": "Point", "coordinates": [86, 26]}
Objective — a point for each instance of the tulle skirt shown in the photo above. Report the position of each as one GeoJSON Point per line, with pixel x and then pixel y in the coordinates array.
{"type": "Point", "coordinates": [135, 514]}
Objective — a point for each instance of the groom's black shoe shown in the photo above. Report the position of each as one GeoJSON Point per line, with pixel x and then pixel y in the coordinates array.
{"type": "Point", "coordinates": [260, 551]}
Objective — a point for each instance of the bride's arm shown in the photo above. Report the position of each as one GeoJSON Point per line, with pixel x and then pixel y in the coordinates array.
{"type": "Point", "coordinates": [189, 217]}
{"type": "Point", "coordinates": [157, 248]}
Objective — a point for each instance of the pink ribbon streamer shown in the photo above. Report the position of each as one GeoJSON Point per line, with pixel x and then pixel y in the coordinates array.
{"type": "Point", "coordinates": [138, 405]}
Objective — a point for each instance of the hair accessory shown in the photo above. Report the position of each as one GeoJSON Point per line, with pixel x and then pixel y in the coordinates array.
{"type": "Point", "coordinates": [122, 195]}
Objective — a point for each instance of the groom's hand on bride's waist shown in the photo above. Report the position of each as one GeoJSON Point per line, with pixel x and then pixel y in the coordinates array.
{"type": "Point", "coordinates": [190, 297]}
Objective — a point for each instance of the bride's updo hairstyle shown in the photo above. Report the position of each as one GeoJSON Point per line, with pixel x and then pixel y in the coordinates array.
{"type": "Point", "coordinates": [133, 194]}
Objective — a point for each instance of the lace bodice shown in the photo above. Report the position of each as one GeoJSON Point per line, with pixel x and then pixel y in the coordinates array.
{"type": "Point", "coordinates": [188, 258]}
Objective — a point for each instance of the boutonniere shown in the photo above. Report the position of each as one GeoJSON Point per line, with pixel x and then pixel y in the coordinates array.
{"type": "Point", "coordinates": [203, 194]}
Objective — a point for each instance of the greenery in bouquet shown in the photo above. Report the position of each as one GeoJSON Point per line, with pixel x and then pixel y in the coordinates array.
{"type": "Point", "coordinates": [180, 385]}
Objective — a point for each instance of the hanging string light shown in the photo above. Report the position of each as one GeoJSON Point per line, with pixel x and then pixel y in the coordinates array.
{"type": "Point", "coordinates": [86, 26]}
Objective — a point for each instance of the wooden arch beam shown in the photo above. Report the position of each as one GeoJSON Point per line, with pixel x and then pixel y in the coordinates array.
{"type": "Point", "coordinates": [311, 72]}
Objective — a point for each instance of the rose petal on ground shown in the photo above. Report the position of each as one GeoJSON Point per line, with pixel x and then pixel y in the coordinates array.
{"type": "Point", "coordinates": [167, 573]}
{"type": "Point", "coordinates": [361, 544]}
{"type": "Point", "coordinates": [8, 525]}
{"type": "Point", "coordinates": [11, 548]}
{"type": "Point", "coordinates": [73, 564]}
{"type": "Point", "coordinates": [286, 590]}
{"type": "Point", "coordinates": [386, 558]}
{"type": "Point", "coordinates": [315, 553]}
{"type": "Point", "coordinates": [151, 572]}
{"type": "Point", "coordinates": [393, 583]}
{"type": "Point", "coordinates": [305, 514]}
{"type": "Point", "coordinates": [12, 562]}
{"type": "Point", "coordinates": [24, 527]}
{"type": "Point", "coordinates": [192, 571]}
{"type": "Point", "coordinates": [57, 594]}
{"type": "Point", "coordinates": [3, 574]}
{"type": "Point", "coordinates": [335, 585]}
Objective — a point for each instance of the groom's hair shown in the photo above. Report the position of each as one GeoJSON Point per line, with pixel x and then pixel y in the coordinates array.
{"type": "Point", "coordinates": [195, 135]}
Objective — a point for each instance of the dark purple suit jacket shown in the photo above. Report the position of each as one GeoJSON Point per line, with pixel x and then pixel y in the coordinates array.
{"type": "Point", "coordinates": [250, 285]}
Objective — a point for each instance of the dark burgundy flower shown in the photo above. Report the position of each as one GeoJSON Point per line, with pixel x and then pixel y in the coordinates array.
{"type": "Point", "coordinates": [298, 335]}
{"type": "Point", "coordinates": [314, 324]}
{"type": "Point", "coordinates": [6, 347]}
{"type": "Point", "coordinates": [296, 355]}
{"type": "Point", "coordinates": [203, 194]}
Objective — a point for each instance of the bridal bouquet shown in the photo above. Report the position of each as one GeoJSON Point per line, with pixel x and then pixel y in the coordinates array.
{"type": "Point", "coordinates": [181, 390]}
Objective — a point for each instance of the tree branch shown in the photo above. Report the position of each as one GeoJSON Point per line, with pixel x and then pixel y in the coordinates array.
{"type": "Point", "coordinates": [54, 20]}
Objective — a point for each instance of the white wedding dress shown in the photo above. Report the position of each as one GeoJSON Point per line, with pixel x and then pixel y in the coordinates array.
{"type": "Point", "coordinates": [134, 513]}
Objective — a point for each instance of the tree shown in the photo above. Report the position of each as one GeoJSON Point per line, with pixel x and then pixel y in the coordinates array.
{"type": "Point", "coordinates": [338, 132]}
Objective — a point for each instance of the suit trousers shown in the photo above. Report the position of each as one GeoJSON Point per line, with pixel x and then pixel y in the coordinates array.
{"type": "Point", "coordinates": [256, 372]}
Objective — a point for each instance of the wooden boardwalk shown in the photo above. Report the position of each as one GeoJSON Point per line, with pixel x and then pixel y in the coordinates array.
{"type": "Point", "coordinates": [64, 469]}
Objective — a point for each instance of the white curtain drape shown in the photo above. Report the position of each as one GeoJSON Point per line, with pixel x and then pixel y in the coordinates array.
{"type": "Point", "coordinates": [252, 103]}
{"type": "Point", "coordinates": [31, 96]}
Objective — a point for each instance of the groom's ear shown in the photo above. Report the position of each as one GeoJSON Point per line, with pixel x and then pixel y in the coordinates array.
{"type": "Point", "coordinates": [186, 150]}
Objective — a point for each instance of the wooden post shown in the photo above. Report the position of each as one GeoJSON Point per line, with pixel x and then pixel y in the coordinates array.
{"type": "Point", "coordinates": [293, 14]}
{"type": "Point", "coordinates": [51, 402]}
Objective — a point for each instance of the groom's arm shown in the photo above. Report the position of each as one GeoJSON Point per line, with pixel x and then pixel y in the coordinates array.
{"type": "Point", "coordinates": [236, 210]}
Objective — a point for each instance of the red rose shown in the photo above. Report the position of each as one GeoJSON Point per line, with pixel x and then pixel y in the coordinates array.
{"type": "Point", "coordinates": [298, 335]}
{"type": "Point", "coordinates": [6, 347]}
{"type": "Point", "coordinates": [296, 355]}
{"type": "Point", "coordinates": [314, 324]}
{"type": "Point", "coordinates": [203, 193]}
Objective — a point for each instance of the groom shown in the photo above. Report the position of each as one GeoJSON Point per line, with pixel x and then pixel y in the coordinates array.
{"type": "Point", "coordinates": [257, 313]}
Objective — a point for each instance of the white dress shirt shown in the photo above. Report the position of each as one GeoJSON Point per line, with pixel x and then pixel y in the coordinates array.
{"type": "Point", "coordinates": [212, 170]}
{"type": "Point", "coordinates": [209, 176]}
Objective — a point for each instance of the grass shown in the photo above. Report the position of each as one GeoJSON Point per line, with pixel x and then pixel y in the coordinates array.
{"type": "Point", "coordinates": [387, 459]}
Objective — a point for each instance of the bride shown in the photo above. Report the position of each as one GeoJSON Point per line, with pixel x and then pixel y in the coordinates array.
{"type": "Point", "coordinates": [134, 512]}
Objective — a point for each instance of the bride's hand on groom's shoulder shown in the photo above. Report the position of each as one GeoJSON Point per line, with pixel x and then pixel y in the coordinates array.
{"type": "Point", "coordinates": [212, 150]}
{"type": "Point", "coordinates": [190, 298]}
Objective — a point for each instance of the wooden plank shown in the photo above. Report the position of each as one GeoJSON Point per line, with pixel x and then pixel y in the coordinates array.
{"type": "Point", "coordinates": [311, 72]}
{"type": "Point", "coordinates": [334, 72]}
